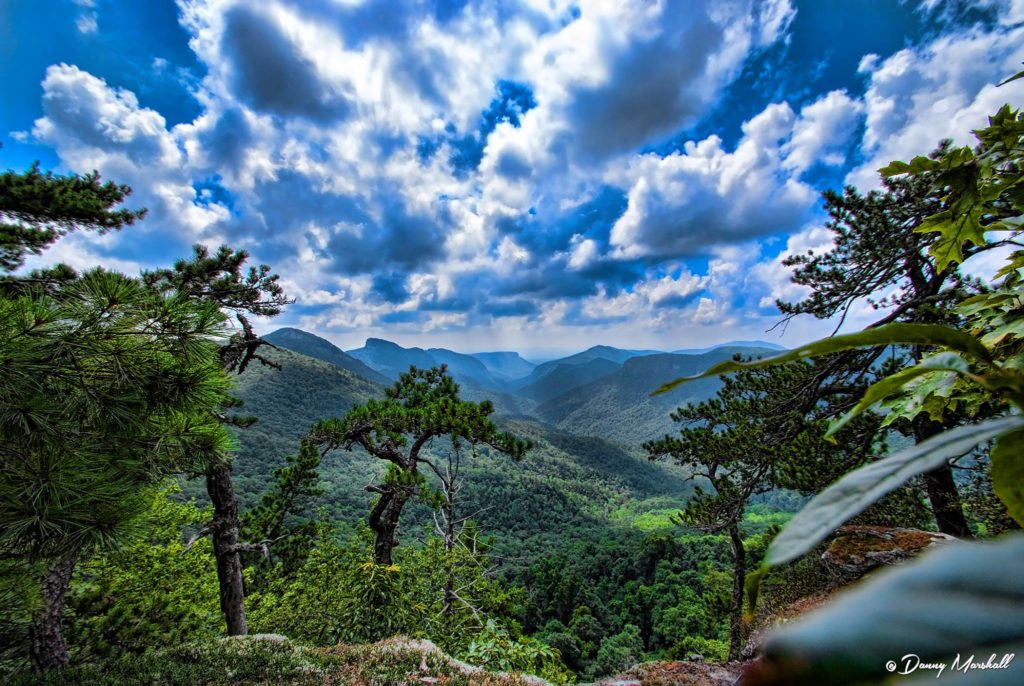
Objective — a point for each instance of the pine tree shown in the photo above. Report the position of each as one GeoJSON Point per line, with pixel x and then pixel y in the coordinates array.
{"type": "Point", "coordinates": [423, 404]}
{"type": "Point", "coordinates": [747, 440]}
{"type": "Point", "coordinates": [279, 516]}
{"type": "Point", "coordinates": [106, 390]}
{"type": "Point", "coordinates": [36, 209]}
{"type": "Point", "coordinates": [219, 281]}
{"type": "Point", "coordinates": [878, 257]}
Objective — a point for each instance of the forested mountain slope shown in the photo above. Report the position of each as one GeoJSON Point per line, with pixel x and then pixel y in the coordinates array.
{"type": "Point", "coordinates": [566, 483]}
{"type": "Point", "coordinates": [619, 407]}
{"type": "Point", "coordinates": [312, 345]}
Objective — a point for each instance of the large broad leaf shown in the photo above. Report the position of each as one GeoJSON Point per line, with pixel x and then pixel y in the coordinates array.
{"type": "Point", "coordinates": [864, 486]}
{"type": "Point", "coordinates": [1018, 75]}
{"type": "Point", "coordinates": [1008, 473]}
{"type": "Point", "coordinates": [949, 362]}
{"type": "Point", "coordinates": [963, 599]}
{"type": "Point", "coordinates": [890, 334]}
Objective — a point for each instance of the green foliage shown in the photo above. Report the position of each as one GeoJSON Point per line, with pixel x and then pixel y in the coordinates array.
{"type": "Point", "coordinates": [710, 649]}
{"type": "Point", "coordinates": [133, 377]}
{"type": "Point", "coordinates": [494, 649]}
{"type": "Point", "coordinates": [866, 485]}
{"type": "Point", "coordinates": [36, 209]}
{"type": "Point", "coordinates": [340, 594]}
{"type": "Point", "coordinates": [150, 591]}
{"type": "Point", "coordinates": [220, 663]}
{"type": "Point", "coordinates": [280, 516]}
{"type": "Point", "coordinates": [940, 607]}
{"type": "Point", "coordinates": [423, 405]}
{"type": "Point", "coordinates": [620, 652]}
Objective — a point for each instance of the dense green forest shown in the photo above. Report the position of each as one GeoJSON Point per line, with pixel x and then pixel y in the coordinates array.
{"type": "Point", "coordinates": [170, 477]}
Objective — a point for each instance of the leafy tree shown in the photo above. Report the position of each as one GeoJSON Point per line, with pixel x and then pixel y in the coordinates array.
{"type": "Point", "coordinates": [219, 281]}
{"type": "Point", "coordinates": [36, 209]}
{"type": "Point", "coordinates": [422, 405]}
{"type": "Point", "coordinates": [619, 652]}
{"type": "Point", "coordinates": [881, 257]}
{"type": "Point", "coordinates": [742, 442]}
{"type": "Point", "coordinates": [151, 590]}
{"type": "Point", "coordinates": [975, 366]}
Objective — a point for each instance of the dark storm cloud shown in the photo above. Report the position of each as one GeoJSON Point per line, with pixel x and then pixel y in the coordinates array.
{"type": "Point", "coordinates": [269, 72]}
{"type": "Point", "coordinates": [390, 287]}
{"type": "Point", "coordinates": [510, 308]}
{"type": "Point", "coordinates": [653, 88]}
{"type": "Point", "coordinates": [397, 240]}
{"type": "Point", "coordinates": [226, 144]}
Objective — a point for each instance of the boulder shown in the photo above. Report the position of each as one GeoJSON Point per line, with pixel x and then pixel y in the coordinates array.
{"type": "Point", "coordinates": [857, 550]}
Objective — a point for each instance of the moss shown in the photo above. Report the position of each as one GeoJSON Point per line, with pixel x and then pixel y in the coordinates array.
{"type": "Point", "coordinates": [251, 661]}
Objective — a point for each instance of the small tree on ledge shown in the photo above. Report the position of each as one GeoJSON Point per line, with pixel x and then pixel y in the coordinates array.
{"type": "Point", "coordinates": [423, 404]}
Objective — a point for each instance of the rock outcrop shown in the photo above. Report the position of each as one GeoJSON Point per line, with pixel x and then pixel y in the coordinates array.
{"type": "Point", "coordinates": [857, 550]}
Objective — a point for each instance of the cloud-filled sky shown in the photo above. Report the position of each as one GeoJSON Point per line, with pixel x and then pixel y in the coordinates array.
{"type": "Point", "coordinates": [536, 175]}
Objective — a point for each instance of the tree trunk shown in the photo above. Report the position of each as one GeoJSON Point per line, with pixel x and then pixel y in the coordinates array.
{"type": "Point", "coordinates": [738, 578]}
{"type": "Point", "coordinates": [383, 522]}
{"type": "Point", "coordinates": [941, 487]}
{"type": "Point", "coordinates": [224, 531]}
{"type": "Point", "coordinates": [48, 649]}
{"type": "Point", "coordinates": [449, 549]}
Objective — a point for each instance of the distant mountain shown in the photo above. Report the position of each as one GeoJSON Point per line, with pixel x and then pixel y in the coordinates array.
{"type": "Point", "coordinates": [586, 486]}
{"type": "Point", "coordinates": [598, 352]}
{"type": "Point", "coordinates": [506, 365]}
{"type": "Point", "coordinates": [564, 377]}
{"type": "Point", "coordinates": [765, 345]}
{"type": "Point", "coordinates": [318, 348]}
{"type": "Point", "coordinates": [619, 407]}
{"type": "Point", "coordinates": [391, 359]}
{"type": "Point", "coordinates": [465, 368]}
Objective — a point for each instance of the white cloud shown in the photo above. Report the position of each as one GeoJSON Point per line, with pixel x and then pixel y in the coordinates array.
{"type": "Point", "coordinates": [776, 278]}
{"type": "Point", "coordinates": [943, 89]}
{"type": "Point", "coordinates": [87, 22]}
{"type": "Point", "coordinates": [687, 202]}
{"type": "Point", "coordinates": [822, 132]}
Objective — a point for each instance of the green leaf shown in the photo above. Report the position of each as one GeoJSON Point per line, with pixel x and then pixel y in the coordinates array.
{"type": "Point", "coordinates": [752, 586]}
{"type": "Point", "coordinates": [1008, 473]}
{"type": "Point", "coordinates": [1018, 75]}
{"type": "Point", "coordinates": [890, 334]}
{"type": "Point", "coordinates": [894, 168]}
{"type": "Point", "coordinates": [955, 229]}
{"type": "Point", "coordinates": [960, 599]}
{"type": "Point", "coordinates": [917, 165]}
{"type": "Point", "coordinates": [863, 486]}
{"type": "Point", "coordinates": [891, 384]}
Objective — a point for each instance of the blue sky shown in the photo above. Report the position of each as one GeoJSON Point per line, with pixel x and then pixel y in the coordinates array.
{"type": "Point", "coordinates": [537, 175]}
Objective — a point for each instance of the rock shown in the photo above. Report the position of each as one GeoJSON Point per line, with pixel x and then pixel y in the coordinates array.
{"type": "Point", "coordinates": [857, 550]}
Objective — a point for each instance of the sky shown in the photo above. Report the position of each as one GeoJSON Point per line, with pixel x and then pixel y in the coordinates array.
{"type": "Point", "coordinates": [531, 175]}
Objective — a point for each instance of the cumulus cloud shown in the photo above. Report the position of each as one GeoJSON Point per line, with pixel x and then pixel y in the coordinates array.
{"type": "Point", "coordinates": [94, 126]}
{"type": "Point", "coordinates": [685, 203]}
{"type": "Point", "coordinates": [775, 279]}
{"type": "Point", "coordinates": [943, 89]}
{"type": "Point", "coordinates": [411, 166]}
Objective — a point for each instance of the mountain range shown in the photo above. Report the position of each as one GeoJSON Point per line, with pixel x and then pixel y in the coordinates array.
{"type": "Point", "coordinates": [587, 415]}
{"type": "Point", "coordinates": [601, 391]}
